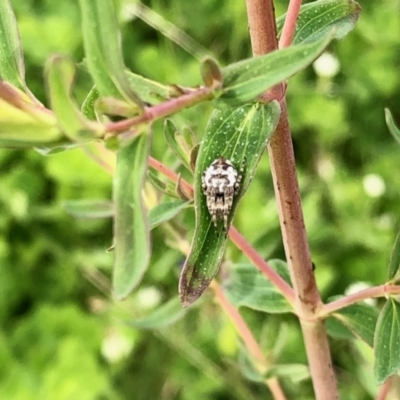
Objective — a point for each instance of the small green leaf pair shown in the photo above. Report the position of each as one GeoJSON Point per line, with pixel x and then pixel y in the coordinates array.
{"type": "Point", "coordinates": [387, 334]}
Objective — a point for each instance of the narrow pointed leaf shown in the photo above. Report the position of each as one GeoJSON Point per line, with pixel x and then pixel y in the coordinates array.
{"type": "Point", "coordinates": [102, 45]}
{"type": "Point", "coordinates": [131, 226]}
{"type": "Point", "coordinates": [318, 18]}
{"type": "Point", "coordinates": [387, 341]}
{"type": "Point", "coordinates": [161, 186]}
{"type": "Point", "coordinates": [248, 366]}
{"type": "Point", "coordinates": [394, 263]}
{"type": "Point", "coordinates": [88, 106]}
{"type": "Point", "coordinates": [11, 59]}
{"type": "Point", "coordinates": [24, 123]}
{"type": "Point", "coordinates": [337, 330]}
{"type": "Point", "coordinates": [245, 80]}
{"type": "Point", "coordinates": [239, 135]}
{"type": "Point", "coordinates": [149, 91]}
{"type": "Point", "coordinates": [393, 129]}
{"type": "Point", "coordinates": [360, 319]}
{"type": "Point", "coordinates": [162, 316]}
{"type": "Point", "coordinates": [177, 143]}
{"type": "Point", "coordinates": [60, 73]}
{"type": "Point", "coordinates": [247, 286]}
{"type": "Point", "coordinates": [91, 208]}
{"type": "Point", "coordinates": [166, 211]}
{"type": "Point", "coordinates": [295, 372]}
{"type": "Point", "coordinates": [57, 148]}
{"type": "Point", "coordinates": [211, 73]}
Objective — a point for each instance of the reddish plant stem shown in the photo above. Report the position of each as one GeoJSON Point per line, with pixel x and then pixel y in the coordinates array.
{"type": "Point", "coordinates": [170, 174]}
{"type": "Point", "coordinates": [248, 339]}
{"type": "Point", "coordinates": [236, 238]}
{"type": "Point", "coordinates": [295, 241]}
{"type": "Point", "coordinates": [162, 110]}
{"type": "Point", "coordinates": [376, 291]}
{"type": "Point", "coordinates": [289, 26]}
{"type": "Point", "coordinates": [262, 265]}
{"type": "Point", "coordinates": [262, 23]}
{"type": "Point", "coordinates": [385, 388]}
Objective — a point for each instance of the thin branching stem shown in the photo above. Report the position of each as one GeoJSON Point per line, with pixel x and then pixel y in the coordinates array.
{"type": "Point", "coordinates": [385, 388]}
{"type": "Point", "coordinates": [249, 341]}
{"type": "Point", "coordinates": [289, 26]}
{"type": "Point", "coordinates": [162, 110]}
{"type": "Point", "coordinates": [376, 291]}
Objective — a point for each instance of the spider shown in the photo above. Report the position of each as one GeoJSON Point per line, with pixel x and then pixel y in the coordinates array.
{"type": "Point", "coordinates": [220, 182]}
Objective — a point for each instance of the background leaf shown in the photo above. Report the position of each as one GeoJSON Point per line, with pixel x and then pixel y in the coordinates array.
{"type": "Point", "coordinates": [394, 263]}
{"type": "Point", "coordinates": [245, 80]}
{"type": "Point", "coordinates": [131, 227]}
{"type": "Point", "coordinates": [387, 341]}
{"type": "Point", "coordinates": [162, 316]}
{"type": "Point", "coordinates": [11, 58]}
{"type": "Point", "coordinates": [60, 73]}
{"type": "Point", "coordinates": [247, 286]}
{"type": "Point", "coordinates": [26, 127]}
{"type": "Point", "coordinates": [360, 319]}
{"type": "Point", "coordinates": [239, 135]}
{"type": "Point", "coordinates": [103, 49]}
{"type": "Point", "coordinates": [393, 129]}
{"type": "Point", "coordinates": [318, 18]}
{"type": "Point", "coordinates": [166, 211]}
{"type": "Point", "coordinates": [177, 143]}
{"type": "Point", "coordinates": [150, 91]}
{"type": "Point", "coordinates": [89, 208]}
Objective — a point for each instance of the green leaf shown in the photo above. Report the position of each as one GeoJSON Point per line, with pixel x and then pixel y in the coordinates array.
{"type": "Point", "coordinates": [166, 211]}
{"type": "Point", "coordinates": [394, 263]}
{"type": "Point", "coordinates": [393, 129]}
{"type": "Point", "coordinates": [22, 123]}
{"type": "Point", "coordinates": [131, 227]}
{"type": "Point", "coordinates": [247, 79]}
{"type": "Point", "coordinates": [102, 208]}
{"type": "Point", "coordinates": [162, 316]}
{"type": "Point", "coordinates": [387, 341]}
{"type": "Point", "coordinates": [318, 18]}
{"type": "Point", "coordinates": [248, 367]}
{"type": "Point", "coordinates": [88, 106]}
{"type": "Point", "coordinates": [294, 372]}
{"type": "Point", "coordinates": [113, 106]}
{"type": "Point", "coordinates": [91, 208]}
{"type": "Point", "coordinates": [165, 188]}
{"type": "Point", "coordinates": [240, 135]}
{"type": "Point", "coordinates": [60, 74]}
{"type": "Point", "coordinates": [177, 143]}
{"type": "Point", "coordinates": [58, 148]}
{"type": "Point", "coordinates": [211, 73]}
{"type": "Point", "coordinates": [103, 49]}
{"type": "Point", "coordinates": [149, 91]}
{"type": "Point", "coordinates": [360, 319]}
{"type": "Point", "coordinates": [337, 330]}
{"type": "Point", "coordinates": [11, 58]}
{"type": "Point", "coordinates": [247, 286]}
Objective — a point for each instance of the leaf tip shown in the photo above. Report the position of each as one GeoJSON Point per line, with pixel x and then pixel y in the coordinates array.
{"type": "Point", "coordinates": [190, 288]}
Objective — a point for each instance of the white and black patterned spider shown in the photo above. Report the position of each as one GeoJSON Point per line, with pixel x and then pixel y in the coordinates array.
{"type": "Point", "coordinates": [220, 182]}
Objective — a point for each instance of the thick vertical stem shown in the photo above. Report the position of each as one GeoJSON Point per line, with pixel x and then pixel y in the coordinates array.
{"type": "Point", "coordinates": [262, 23]}
{"type": "Point", "coordinates": [291, 218]}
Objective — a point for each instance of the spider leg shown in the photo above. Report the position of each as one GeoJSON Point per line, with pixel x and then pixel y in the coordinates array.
{"type": "Point", "coordinates": [214, 218]}
{"type": "Point", "coordinates": [203, 184]}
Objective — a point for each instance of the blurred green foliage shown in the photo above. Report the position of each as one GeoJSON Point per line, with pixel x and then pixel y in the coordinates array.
{"type": "Point", "coordinates": [63, 338]}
